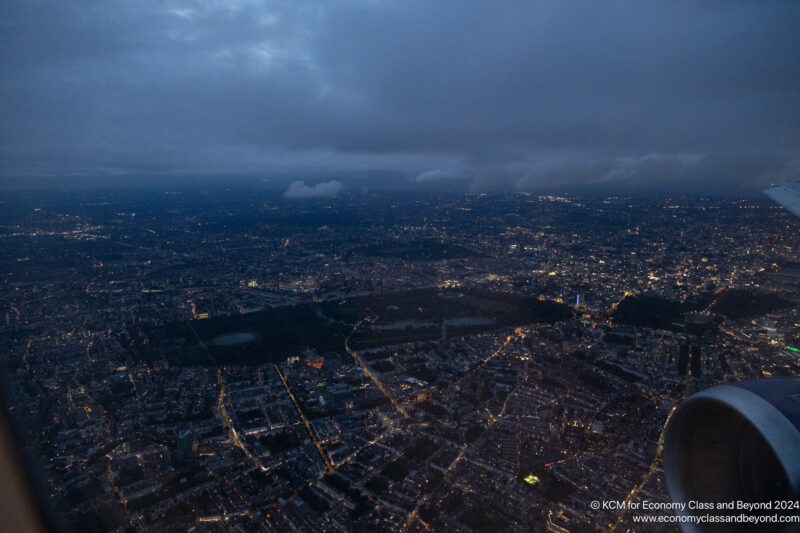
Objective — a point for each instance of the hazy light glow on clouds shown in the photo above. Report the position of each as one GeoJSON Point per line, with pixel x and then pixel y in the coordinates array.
{"type": "Point", "coordinates": [477, 95]}
{"type": "Point", "coordinates": [298, 189]}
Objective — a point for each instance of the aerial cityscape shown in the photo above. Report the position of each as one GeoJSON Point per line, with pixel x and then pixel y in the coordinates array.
{"type": "Point", "coordinates": [232, 360]}
{"type": "Point", "coordinates": [374, 266]}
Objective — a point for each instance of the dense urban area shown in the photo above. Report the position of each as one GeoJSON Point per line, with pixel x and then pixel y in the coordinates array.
{"type": "Point", "coordinates": [232, 360]}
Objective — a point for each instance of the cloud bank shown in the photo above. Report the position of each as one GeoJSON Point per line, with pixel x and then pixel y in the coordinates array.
{"type": "Point", "coordinates": [512, 95]}
{"type": "Point", "coordinates": [298, 189]}
{"type": "Point", "coordinates": [441, 174]}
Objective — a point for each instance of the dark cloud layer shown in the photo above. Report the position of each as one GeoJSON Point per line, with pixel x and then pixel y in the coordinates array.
{"type": "Point", "coordinates": [481, 95]}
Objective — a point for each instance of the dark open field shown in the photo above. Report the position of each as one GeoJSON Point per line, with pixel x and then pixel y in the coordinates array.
{"type": "Point", "coordinates": [286, 331]}
{"type": "Point", "coordinates": [655, 312]}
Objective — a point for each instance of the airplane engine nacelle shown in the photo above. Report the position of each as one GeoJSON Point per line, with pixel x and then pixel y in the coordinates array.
{"type": "Point", "coordinates": [736, 443]}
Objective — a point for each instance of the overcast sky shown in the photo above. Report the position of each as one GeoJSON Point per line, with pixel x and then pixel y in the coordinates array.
{"type": "Point", "coordinates": [345, 95]}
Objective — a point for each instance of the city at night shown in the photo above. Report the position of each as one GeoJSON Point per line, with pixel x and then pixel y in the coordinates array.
{"type": "Point", "coordinates": [375, 267]}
